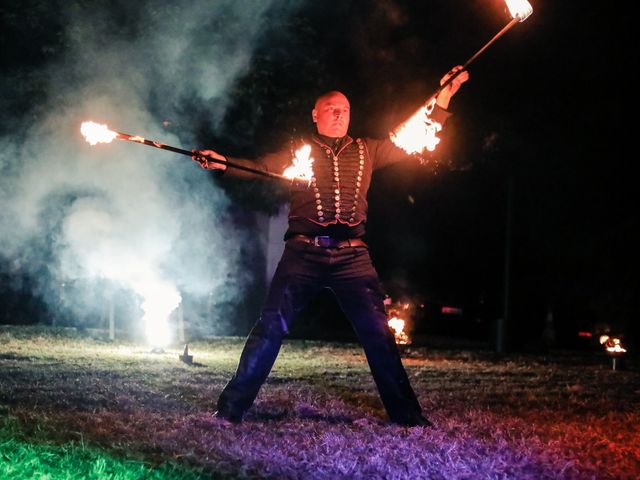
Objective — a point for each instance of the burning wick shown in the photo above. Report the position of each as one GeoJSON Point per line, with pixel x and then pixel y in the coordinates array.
{"type": "Point", "coordinates": [397, 325]}
{"type": "Point", "coordinates": [96, 133]}
{"type": "Point", "coordinates": [519, 9]}
{"type": "Point", "coordinates": [302, 165]}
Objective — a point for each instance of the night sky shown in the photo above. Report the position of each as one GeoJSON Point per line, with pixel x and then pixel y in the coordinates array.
{"type": "Point", "coordinates": [543, 110]}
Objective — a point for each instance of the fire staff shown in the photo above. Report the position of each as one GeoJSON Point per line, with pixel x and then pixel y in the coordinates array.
{"type": "Point", "coordinates": [324, 249]}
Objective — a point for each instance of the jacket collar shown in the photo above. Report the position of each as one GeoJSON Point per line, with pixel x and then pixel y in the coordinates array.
{"type": "Point", "coordinates": [329, 142]}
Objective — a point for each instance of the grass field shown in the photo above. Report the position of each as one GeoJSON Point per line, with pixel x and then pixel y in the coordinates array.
{"type": "Point", "coordinates": [76, 407]}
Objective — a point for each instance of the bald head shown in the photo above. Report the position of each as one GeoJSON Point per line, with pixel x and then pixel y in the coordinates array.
{"type": "Point", "coordinates": [331, 114]}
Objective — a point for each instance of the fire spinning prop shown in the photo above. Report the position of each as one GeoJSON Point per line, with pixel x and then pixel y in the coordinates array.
{"type": "Point", "coordinates": [614, 349]}
{"type": "Point", "coordinates": [300, 172]}
{"type": "Point", "coordinates": [419, 131]}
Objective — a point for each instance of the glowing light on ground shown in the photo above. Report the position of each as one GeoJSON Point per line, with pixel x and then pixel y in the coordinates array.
{"type": "Point", "coordinates": [160, 299]}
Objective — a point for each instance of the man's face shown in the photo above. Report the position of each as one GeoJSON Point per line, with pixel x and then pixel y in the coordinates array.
{"type": "Point", "coordinates": [331, 115]}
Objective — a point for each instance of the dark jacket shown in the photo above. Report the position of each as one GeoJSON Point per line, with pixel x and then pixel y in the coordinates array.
{"type": "Point", "coordinates": [335, 203]}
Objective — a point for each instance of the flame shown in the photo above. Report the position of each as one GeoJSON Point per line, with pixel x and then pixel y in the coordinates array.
{"type": "Point", "coordinates": [397, 325]}
{"type": "Point", "coordinates": [159, 300]}
{"type": "Point", "coordinates": [159, 297]}
{"type": "Point", "coordinates": [96, 133]}
{"type": "Point", "coordinates": [302, 165]}
{"type": "Point", "coordinates": [612, 344]}
{"type": "Point", "coordinates": [520, 9]}
{"type": "Point", "coordinates": [418, 132]}
{"type": "Point", "coordinates": [137, 138]}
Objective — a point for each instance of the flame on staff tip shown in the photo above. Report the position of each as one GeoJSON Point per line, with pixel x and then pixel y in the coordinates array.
{"type": "Point", "coordinates": [519, 9]}
{"type": "Point", "coordinates": [397, 325]}
{"type": "Point", "coordinates": [418, 132]}
{"type": "Point", "coordinates": [302, 165]}
{"type": "Point", "coordinates": [96, 133]}
{"type": "Point", "coordinates": [612, 344]}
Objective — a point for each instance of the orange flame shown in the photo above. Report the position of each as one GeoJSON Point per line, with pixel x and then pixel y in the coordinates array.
{"type": "Point", "coordinates": [520, 9]}
{"type": "Point", "coordinates": [397, 325]}
{"type": "Point", "coordinates": [302, 165]}
{"type": "Point", "coordinates": [418, 132]}
{"type": "Point", "coordinates": [96, 133]}
{"type": "Point", "coordinates": [612, 344]}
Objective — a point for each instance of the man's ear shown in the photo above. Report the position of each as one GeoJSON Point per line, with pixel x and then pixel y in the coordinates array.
{"type": "Point", "coordinates": [314, 115]}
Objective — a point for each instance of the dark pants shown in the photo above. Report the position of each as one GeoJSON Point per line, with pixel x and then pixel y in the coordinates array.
{"type": "Point", "coordinates": [302, 272]}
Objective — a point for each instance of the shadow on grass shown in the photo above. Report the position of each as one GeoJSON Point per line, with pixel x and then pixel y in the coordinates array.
{"type": "Point", "coordinates": [303, 414]}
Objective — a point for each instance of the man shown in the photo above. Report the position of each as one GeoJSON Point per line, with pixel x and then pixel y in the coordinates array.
{"type": "Point", "coordinates": [324, 249]}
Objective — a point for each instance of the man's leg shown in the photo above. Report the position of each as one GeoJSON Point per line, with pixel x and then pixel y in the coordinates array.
{"type": "Point", "coordinates": [258, 356]}
{"type": "Point", "coordinates": [292, 287]}
{"type": "Point", "coordinates": [361, 298]}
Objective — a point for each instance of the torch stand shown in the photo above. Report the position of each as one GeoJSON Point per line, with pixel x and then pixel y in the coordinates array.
{"type": "Point", "coordinates": [617, 361]}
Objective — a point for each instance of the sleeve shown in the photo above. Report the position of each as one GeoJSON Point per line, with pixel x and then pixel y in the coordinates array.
{"type": "Point", "coordinates": [385, 152]}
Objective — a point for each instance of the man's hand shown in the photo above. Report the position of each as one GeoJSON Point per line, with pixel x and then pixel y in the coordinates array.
{"type": "Point", "coordinates": [450, 90]}
{"type": "Point", "coordinates": [207, 159]}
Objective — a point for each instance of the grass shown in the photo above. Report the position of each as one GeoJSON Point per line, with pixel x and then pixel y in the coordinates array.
{"type": "Point", "coordinates": [40, 459]}
{"type": "Point", "coordinates": [77, 407]}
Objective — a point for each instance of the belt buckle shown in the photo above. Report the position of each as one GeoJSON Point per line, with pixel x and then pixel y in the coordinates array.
{"type": "Point", "coordinates": [322, 241]}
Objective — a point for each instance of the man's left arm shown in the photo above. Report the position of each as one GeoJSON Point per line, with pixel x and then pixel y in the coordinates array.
{"type": "Point", "coordinates": [444, 97]}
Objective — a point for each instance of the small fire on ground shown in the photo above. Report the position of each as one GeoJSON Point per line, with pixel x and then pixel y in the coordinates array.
{"type": "Point", "coordinates": [612, 345]}
{"type": "Point", "coordinates": [397, 326]}
{"type": "Point", "coordinates": [397, 323]}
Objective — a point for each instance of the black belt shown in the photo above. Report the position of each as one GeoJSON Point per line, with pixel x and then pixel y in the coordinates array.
{"type": "Point", "coordinates": [328, 242]}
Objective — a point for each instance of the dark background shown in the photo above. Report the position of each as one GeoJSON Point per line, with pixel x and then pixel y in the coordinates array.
{"type": "Point", "coordinates": [543, 111]}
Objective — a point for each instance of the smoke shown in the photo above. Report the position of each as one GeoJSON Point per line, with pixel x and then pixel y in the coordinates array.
{"type": "Point", "coordinates": [85, 223]}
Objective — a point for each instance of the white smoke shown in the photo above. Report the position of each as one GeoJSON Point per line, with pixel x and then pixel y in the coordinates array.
{"type": "Point", "coordinates": [123, 212]}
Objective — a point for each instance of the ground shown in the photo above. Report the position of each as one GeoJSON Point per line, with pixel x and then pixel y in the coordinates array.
{"type": "Point", "coordinates": [75, 406]}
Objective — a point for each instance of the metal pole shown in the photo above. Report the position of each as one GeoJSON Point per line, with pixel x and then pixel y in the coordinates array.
{"type": "Point", "coordinates": [112, 321]}
{"type": "Point", "coordinates": [471, 59]}
{"type": "Point", "coordinates": [181, 151]}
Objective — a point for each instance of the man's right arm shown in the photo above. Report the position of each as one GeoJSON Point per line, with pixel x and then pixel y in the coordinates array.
{"type": "Point", "coordinates": [275, 162]}
{"type": "Point", "coordinates": [207, 160]}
